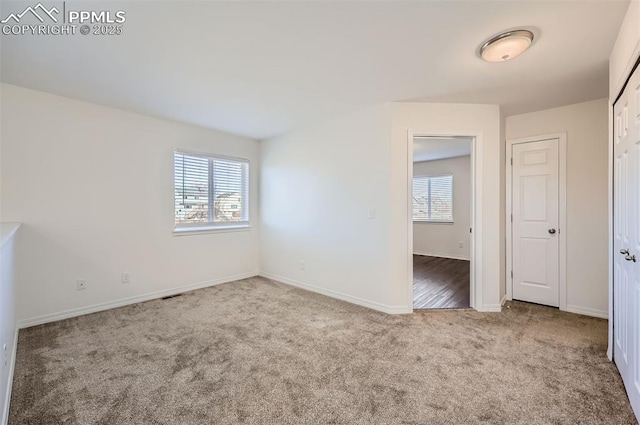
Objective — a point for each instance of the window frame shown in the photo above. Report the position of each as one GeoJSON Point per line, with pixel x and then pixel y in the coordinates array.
{"type": "Point", "coordinates": [432, 220]}
{"type": "Point", "coordinates": [180, 229]}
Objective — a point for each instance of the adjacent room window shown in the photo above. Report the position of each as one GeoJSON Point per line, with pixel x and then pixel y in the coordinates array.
{"type": "Point", "coordinates": [211, 191]}
{"type": "Point", "coordinates": [433, 198]}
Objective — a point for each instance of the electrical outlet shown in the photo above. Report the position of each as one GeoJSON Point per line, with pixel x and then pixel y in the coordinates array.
{"type": "Point", "coordinates": [126, 277]}
{"type": "Point", "coordinates": [460, 244]}
{"type": "Point", "coordinates": [81, 284]}
{"type": "Point", "coordinates": [301, 264]}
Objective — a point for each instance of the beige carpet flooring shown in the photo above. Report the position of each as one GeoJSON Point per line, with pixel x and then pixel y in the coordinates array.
{"type": "Point", "coordinates": [260, 352]}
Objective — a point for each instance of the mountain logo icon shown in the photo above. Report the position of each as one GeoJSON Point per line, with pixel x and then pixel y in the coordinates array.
{"type": "Point", "coordinates": [39, 11]}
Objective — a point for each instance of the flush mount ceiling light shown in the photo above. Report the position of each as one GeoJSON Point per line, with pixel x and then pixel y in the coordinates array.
{"type": "Point", "coordinates": [506, 46]}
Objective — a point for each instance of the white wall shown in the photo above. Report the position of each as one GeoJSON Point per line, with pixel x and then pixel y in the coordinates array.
{"type": "Point", "coordinates": [626, 50]}
{"type": "Point", "coordinates": [317, 187]}
{"type": "Point", "coordinates": [7, 316]}
{"type": "Point", "coordinates": [442, 239]}
{"type": "Point", "coordinates": [503, 210]}
{"type": "Point", "coordinates": [93, 187]}
{"type": "Point", "coordinates": [449, 119]}
{"type": "Point", "coordinates": [587, 186]}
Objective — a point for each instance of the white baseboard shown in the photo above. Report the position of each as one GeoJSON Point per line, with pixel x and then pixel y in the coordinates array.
{"type": "Point", "coordinates": [490, 308]}
{"type": "Point", "coordinates": [453, 257]}
{"type": "Point", "coordinates": [390, 309]}
{"type": "Point", "coordinates": [504, 299]}
{"type": "Point", "coordinates": [12, 367]}
{"type": "Point", "coordinates": [54, 317]}
{"type": "Point", "coordinates": [586, 311]}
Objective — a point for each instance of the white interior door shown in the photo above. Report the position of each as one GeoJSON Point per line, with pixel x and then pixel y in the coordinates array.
{"type": "Point", "coordinates": [534, 228]}
{"type": "Point", "coordinates": [626, 229]}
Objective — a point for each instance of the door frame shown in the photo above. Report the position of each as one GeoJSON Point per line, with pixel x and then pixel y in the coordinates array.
{"type": "Point", "coordinates": [562, 211]}
{"type": "Point", "coordinates": [475, 251]}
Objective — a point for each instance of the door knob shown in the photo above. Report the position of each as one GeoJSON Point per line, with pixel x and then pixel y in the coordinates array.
{"type": "Point", "coordinates": [624, 251]}
{"type": "Point", "coordinates": [630, 257]}
{"type": "Point", "coordinates": [552, 231]}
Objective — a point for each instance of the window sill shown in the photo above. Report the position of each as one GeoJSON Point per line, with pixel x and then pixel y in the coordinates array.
{"type": "Point", "coordinates": [434, 221]}
{"type": "Point", "coordinates": [188, 231]}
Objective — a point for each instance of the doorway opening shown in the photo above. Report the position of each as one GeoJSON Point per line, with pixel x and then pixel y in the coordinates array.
{"type": "Point", "coordinates": [442, 214]}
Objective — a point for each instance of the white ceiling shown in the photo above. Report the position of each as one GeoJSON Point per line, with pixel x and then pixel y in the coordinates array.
{"type": "Point", "coordinates": [431, 148]}
{"type": "Point", "coordinates": [264, 68]}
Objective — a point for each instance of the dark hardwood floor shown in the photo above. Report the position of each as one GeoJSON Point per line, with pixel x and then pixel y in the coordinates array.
{"type": "Point", "coordinates": [440, 282]}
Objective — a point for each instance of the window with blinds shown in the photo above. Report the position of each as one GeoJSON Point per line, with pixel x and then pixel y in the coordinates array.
{"type": "Point", "coordinates": [433, 198]}
{"type": "Point", "coordinates": [210, 191]}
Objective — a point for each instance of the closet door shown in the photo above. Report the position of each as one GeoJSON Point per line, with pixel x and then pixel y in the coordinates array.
{"type": "Point", "coordinates": [626, 279]}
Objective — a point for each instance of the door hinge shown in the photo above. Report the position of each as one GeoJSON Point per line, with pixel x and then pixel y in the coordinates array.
{"type": "Point", "coordinates": [512, 218]}
{"type": "Point", "coordinates": [511, 274]}
{"type": "Point", "coordinates": [511, 161]}
{"type": "Point", "coordinates": [470, 230]}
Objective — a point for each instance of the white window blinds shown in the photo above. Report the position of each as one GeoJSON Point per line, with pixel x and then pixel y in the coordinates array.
{"type": "Point", "coordinates": [210, 191]}
{"type": "Point", "coordinates": [433, 198]}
